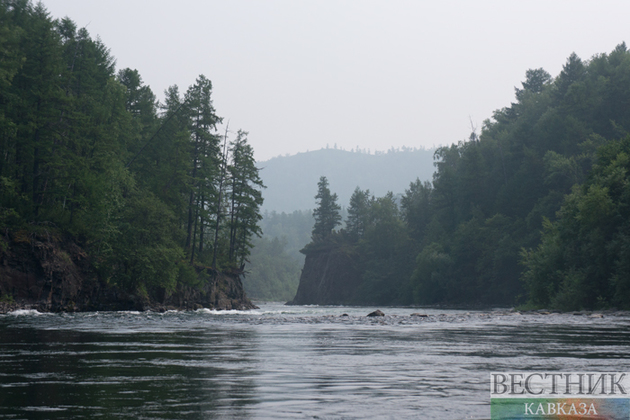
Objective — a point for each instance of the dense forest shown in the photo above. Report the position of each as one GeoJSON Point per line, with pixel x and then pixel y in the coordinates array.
{"type": "Point", "coordinates": [149, 190]}
{"type": "Point", "coordinates": [534, 210]}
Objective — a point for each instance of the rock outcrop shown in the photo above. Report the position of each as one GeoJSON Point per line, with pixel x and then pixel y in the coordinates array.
{"type": "Point", "coordinates": [53, 274]}
{"type": "Point", "coordinates": [330, 277]}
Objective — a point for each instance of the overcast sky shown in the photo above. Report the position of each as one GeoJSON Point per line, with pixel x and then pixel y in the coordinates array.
{"type": "Point", "coordinates": [303, 74]}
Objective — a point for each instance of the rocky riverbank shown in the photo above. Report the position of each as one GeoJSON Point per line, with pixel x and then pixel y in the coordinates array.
{"type": "Point", "coordinates": [50, 273]}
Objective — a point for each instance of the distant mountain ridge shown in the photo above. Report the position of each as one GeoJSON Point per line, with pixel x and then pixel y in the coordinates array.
{"type": "Point", "coordinates": [292, 180]}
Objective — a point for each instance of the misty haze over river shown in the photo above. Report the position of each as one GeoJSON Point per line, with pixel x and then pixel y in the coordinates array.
{"type": "Point", "coordinates": [287, 362]}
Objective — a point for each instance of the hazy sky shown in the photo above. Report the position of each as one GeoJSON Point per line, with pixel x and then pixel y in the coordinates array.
{"type": "Point", "coordinates": [301, 74]}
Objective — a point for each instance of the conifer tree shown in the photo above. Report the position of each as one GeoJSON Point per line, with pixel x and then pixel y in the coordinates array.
{"type": "Point", "coordinates": [245, 199]}
{"type": "Point", "coordinates": [358, 213]}
{"type": "Point", "coordinates": [205, 160]}
{"type": "Point", "coordinates": [327, 212]}
{"type": "Point", "coordinates": [175, 164]}
{"type": "Point", "coordinates": [84, 152]}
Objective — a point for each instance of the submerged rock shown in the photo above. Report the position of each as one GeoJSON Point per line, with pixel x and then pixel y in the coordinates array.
{"type": "Point", "coordinates": [376, 313]}
{"type": "Point", "coordinates": [416, 314]}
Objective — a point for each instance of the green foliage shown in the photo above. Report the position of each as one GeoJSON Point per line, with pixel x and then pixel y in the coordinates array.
{"type": "Point", "coordinates": [429, 278]}
{"type": "Point", "coordinates": [582, 259]}
{"type": "Point", "coordinates": [245, 199]}
{"type": "Point", "coordinates": [144, 252]}
{"type": "Point", "coordinates": [557, 159]}
{"type": "Point", "coordinates": [358, 213]}
{"type": "Point", "coordinates": [7, 299]}
{"type": "Point", "coordinates": [275, 261]}
{"type": "Point", "coordinates": [274, 275]}
{"type": "Point", "coordinates": [416, 208]}
{"type": "Point", "coordinates": [85, 149]}
{"type": "Point", "coordinates": [326, 214]}
{"type": "Point", "coordinates": [385, 254]}
{"type": "Point", "coordinates": [490, 197]}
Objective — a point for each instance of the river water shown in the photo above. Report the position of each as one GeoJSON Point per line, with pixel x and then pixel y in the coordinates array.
{"type": "Point", "coordinates": [287, 362]}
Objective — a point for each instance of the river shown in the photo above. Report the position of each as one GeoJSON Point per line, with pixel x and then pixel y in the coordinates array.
{"type": "Point", "coordinates": [287, 362]}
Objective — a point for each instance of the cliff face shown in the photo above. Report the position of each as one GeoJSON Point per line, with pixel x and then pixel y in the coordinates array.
{"type": "Point", "coordinates": [222, 291]}
{"type": "Point", "coordinates": [329, 277]}
{"type": "Point", "coordinates": [53, 274]}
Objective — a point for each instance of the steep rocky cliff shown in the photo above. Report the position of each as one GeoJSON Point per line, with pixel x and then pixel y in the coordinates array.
{"type": "Point", "coordinates": [51, 273]}
{"type": "Point", "coordinates": [330, 277]}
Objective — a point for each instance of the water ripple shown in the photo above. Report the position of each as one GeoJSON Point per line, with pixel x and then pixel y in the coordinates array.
{"type": "Point", "coordinates": [287, 362]}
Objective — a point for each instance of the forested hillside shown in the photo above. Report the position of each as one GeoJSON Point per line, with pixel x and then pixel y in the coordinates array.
{"type": "Point", "coordinates": [155, 197]}
{"type": "Point", "coordinates": [290, 192]}
{"type": "Point", "coordinates": [276, 261]}
{"type": "Point", "coordinates": [534, 209]}
{"type": "Point", "coordinates": [292, 180]}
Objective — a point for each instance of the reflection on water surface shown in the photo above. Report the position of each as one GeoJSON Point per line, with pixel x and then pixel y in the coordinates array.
{"type": "Point", "coordinates": [286, 362]}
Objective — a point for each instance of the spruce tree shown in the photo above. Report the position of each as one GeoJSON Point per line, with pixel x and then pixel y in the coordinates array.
{"type": "Point", "coordinates": [327, 212]}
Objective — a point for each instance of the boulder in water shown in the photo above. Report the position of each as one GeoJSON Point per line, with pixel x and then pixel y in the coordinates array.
{"type": "Point", "coordinates": [376, 313]}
